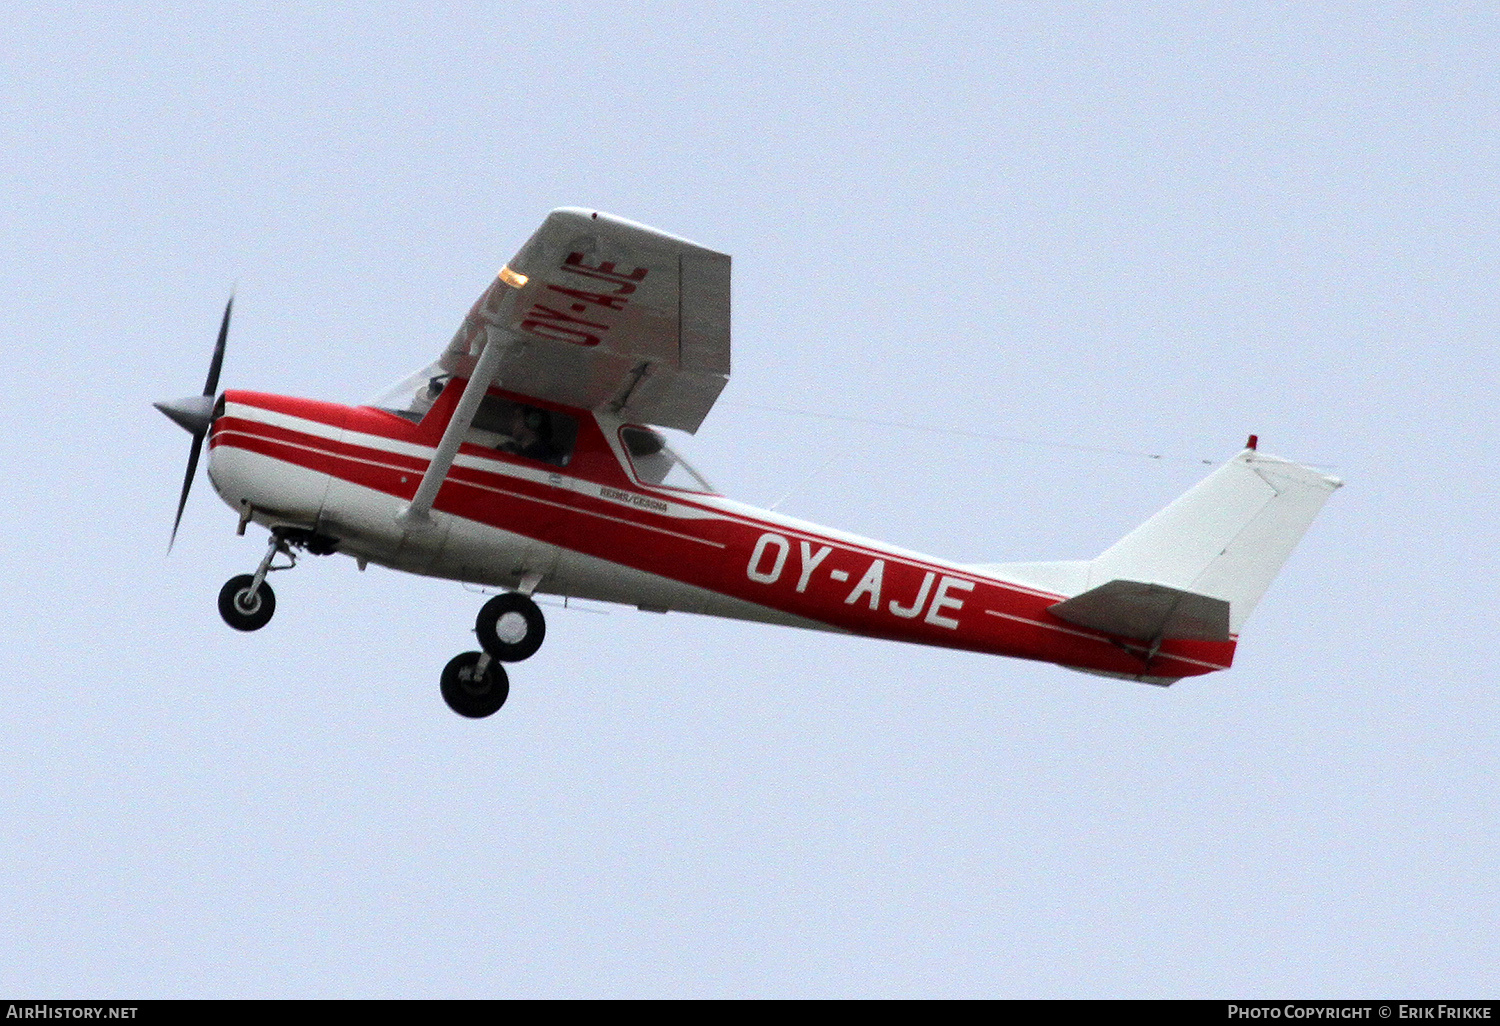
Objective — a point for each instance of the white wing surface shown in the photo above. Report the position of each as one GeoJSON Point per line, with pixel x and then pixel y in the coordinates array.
{"type": "Point", "coordinates": [603, 313]}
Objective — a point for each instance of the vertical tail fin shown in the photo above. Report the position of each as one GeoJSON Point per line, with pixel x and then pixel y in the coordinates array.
{"type": "Point", "coordinates": [1226, 537]}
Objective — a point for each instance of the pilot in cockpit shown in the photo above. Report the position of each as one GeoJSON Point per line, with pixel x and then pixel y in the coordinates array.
{"type": "Point", "coordinates": [530, 434]}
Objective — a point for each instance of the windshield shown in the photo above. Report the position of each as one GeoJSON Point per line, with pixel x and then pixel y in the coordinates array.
{"type": "Point", "coordinates": [413, 396]}
{"type": "Point", "coordinates": [656, 464]}
{"type": "Point", "coordinates": [508, 425]}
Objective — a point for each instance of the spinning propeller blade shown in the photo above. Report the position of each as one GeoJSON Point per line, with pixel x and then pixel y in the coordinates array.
{"type": "Point", "coordinates": [211, 386]}
{"type": "Point", "coordinates": [187, 483]}
{"type": "Point", "coordinates": [194, 414]}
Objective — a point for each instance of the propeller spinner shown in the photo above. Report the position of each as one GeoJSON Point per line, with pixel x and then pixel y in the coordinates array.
{"type": "Point", "coordinates": [194, 414]}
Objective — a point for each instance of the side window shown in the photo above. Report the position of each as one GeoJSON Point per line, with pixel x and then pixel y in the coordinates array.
{"type": "Point", "coordinates": [655, 463]}
{"type": "Point", "coordinates": [522, 430]}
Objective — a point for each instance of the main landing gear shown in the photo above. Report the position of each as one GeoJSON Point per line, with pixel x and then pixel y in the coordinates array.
{"type": "Point", "coordinates": [475, 684]}
{"type": "Point", "coordinates": [510, 628]}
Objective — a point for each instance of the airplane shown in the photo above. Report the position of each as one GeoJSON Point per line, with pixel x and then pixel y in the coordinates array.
{"type": "Point", "coordinates": [529, 457]}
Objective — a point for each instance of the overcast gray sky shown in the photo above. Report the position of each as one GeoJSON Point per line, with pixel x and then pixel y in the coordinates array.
{"type": "Point", "coordinates": [1149, 228]}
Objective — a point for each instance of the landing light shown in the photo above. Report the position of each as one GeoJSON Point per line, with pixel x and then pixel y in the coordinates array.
{"type": "Point", "coordinates": [512, 278]}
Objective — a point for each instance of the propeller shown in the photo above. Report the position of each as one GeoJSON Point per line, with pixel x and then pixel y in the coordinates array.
{"type": "Point", "coordinates": [195, 415]}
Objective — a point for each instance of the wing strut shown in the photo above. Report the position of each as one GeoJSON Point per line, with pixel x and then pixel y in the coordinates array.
{"type": "Point", "coordinates": [415, 513]}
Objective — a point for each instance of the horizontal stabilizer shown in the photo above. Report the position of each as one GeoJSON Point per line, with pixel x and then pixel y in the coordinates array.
{"type": "Point", "coordinates": [1149, 612]}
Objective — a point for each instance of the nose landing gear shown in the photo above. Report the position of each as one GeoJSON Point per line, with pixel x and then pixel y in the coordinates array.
{"type": "Point", "coordinates": [246, 602]}
{"type": "Point", "coordinates": [246, 605]}
{"type": "Point", "coordinates": [510, 628]}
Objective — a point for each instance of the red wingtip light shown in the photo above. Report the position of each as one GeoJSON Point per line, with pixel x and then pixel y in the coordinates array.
{"type": "Point", "coordinates": [1253, 442]}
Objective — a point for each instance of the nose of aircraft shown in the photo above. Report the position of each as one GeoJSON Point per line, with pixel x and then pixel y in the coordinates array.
{"type": "Point", "coordinates": [195, 415]}
{"type": "Point", "coordinates": [192, 413]}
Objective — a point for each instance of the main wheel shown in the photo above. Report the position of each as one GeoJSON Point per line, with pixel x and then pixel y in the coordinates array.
{"type": "Point", "coordinates": [243, 609]}
{"type": "Point", "coordinates": [473, 694]}
{"type": "Point", "coordinates": [510, 627]}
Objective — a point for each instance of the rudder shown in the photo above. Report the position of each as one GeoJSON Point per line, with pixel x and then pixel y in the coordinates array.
{"type": "Point", "coordinates": [1227, 537]}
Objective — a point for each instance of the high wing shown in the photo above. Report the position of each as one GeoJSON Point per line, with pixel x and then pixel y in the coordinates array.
{"type": "Point", "coordinates": [594, 311]}
{"type": "Point", "coordinates": [603, 313]}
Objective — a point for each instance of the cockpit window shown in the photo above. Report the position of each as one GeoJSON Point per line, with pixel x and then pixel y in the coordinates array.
{"type": "Point", "coordinates": [655, 463]}
{"type": "Point", "coordinates": [523, 430]}
{"type": "Point", "coordinates": [413, 396]}
{"type": "Point", "coordinates": [517, 428]}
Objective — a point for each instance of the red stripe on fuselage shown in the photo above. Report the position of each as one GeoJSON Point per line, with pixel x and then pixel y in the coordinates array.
{"type": "Point", "coordinates": [711, 552]}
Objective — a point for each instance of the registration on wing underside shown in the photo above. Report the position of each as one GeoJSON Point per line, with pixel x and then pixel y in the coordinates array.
{"type": "Point", "coordinates": [608, 314]}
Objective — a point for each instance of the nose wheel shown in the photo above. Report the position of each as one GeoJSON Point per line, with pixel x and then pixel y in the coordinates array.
{"type": "Point", "coordinates": [510, 628]}
{"type": "Point", "coordinates": [244, 605]}
{"type": "Point", "coordinates": [246, 602]}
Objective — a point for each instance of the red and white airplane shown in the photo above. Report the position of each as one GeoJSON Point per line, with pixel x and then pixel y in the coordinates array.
{"type": "Point", "coordinates": [526, 458]}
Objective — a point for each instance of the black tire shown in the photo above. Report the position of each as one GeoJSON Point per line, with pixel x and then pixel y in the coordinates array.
{"type": "Point", "coordinates": [511, 627]}
{"type": "Point", "coordinates": [471, 695]}
{"type": "Point", "coordinates": [243, 609]}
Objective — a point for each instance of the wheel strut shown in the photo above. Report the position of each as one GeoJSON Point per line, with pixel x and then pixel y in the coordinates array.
{"type": "Point", "coordinates": [277, 544]}
{"type": "Point", "coordinates": [247, 602]}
